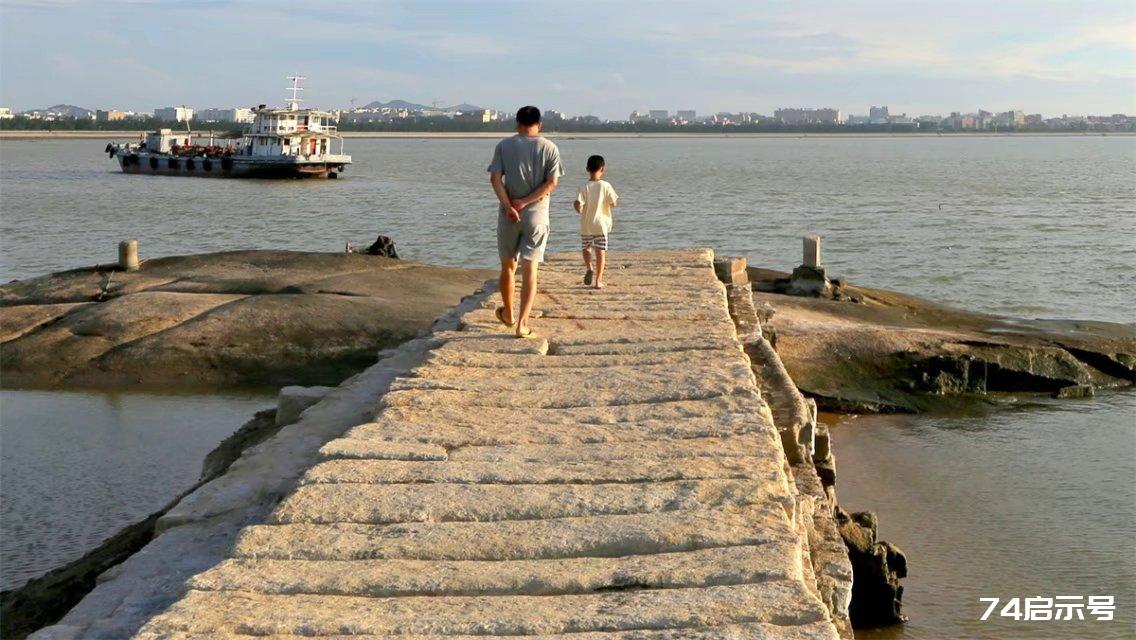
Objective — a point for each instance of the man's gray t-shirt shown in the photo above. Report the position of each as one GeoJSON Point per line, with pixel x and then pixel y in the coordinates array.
{"type": "Point", "coordinates": [527, 162]}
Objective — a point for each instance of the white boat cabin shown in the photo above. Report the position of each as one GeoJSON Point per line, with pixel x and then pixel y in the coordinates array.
{"type": "Point", "coordinates": [164, 141]}
{"type": "Point", "coordinates": [291, 132]}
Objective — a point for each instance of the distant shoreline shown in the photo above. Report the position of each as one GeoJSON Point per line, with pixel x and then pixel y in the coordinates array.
{"type": "Point", "coordinates": [458, 135]}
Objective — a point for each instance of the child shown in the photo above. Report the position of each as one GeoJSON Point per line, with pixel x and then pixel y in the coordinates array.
{"type": "Point", "coordinates": [594, 204]}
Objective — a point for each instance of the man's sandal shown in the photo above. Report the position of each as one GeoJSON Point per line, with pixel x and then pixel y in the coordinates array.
{"type": "Point", "coordinates": [526, 333]}
{"type": "Point", "coordinates": [500, 313]}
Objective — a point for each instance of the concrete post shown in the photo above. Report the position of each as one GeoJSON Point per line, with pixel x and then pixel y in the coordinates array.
{"type": "Point", "coordinates": [812, 251]}
{"type": "Point", "coordinates": [128, 255]}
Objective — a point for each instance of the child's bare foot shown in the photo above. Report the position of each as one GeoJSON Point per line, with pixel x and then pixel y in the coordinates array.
{"type": "Point", "coordinates": [600, 285]}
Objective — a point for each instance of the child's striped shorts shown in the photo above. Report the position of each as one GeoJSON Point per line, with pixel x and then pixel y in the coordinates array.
{"type": "Point", "coordinates": [599, 242]}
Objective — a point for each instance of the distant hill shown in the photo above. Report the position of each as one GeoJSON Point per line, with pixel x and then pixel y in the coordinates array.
{"type": "Point", "coordinates": [395, 104]}
{"type": "Point", "coordinates": [414, 106]}
{"type": "Point", "coordinates": [65, 110]}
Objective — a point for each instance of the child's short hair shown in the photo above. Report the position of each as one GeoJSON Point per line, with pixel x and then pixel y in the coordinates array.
{"type": "Point", "coordinates": [595, 163]}
{"type": "Point", "coordinates": [528, 116]}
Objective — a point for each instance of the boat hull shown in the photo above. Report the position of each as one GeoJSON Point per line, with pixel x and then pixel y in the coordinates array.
{"type": "Point", "coordinates": [230, 166]}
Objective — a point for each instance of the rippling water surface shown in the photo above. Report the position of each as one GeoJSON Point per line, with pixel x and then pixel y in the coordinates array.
{"type": "Point", "coordinates": [1038, 500]}
{"type": "Point", "coordinates": [77, 466]}
{"type": "Point", "coordinates": [1040, 227]}
{"type": "Point", "coordinates": [1019, 502]}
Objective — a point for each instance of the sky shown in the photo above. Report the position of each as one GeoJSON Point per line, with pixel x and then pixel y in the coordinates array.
{"type": "Point", "coordinates": [601, 58]}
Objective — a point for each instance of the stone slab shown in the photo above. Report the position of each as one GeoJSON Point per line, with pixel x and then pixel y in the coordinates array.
{"type": "Point", "coordinates": [526, 473]}
{"type": "Point", "coordinates": [784, 602]}
{"type": "Point", "coordinates": [421, 502]}
{"type": "Point", "coordinates": [606, 536]}
{"type": "Point", "coordinates": [560, 576]}
{"type": "Point", "coordinates": [748, 401]}
{"type": "Point", "coordinates": [452, 434]}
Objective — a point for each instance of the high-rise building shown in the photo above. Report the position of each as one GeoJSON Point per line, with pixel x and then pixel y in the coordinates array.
{"type": "Point", "coordinates": [686, 115]}
{"type": "Point", "coordinates": [112, 115]}
{"type": "Point", "coordinates": [878, 115]}
{"type": "Point", "coordinates": [1011, 119]}
{"type": "Point", "coordinates": [174, 114]}
{"type": "Point", "coordinates": [658, 114]}
{"type": "Point", "coordinates": [794, 117]}
{"type": "Point", "coordinates": [239, 114]}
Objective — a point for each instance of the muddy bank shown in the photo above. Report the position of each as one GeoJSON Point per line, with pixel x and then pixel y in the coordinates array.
{"type": "Point", "coordinates": [882, 351]}
{"type": "Point", "coordinates": [249, 318]}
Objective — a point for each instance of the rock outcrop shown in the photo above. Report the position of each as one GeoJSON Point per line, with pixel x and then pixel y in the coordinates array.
{"type": "Point", "coordinates": [881, 351]}
{"type": "Point", "coordinates": [878, 567]}
{"type": "Point", "coordinates": [218, 320]}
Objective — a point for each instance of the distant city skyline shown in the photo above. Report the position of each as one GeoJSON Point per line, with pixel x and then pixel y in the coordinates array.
{"type": "Point", "coordinates": [583, 58]}
{"type": "Point", "coordinates": [876, 114]}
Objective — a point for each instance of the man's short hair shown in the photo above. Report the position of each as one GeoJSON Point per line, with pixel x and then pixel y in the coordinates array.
{"type": "Point", "coordinates": [528, 116]}
{"type": "Point", "coordinates": [595, 163]}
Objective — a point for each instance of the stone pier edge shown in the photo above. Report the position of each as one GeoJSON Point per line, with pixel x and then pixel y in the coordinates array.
{"type": "Point", "coordinates": [809, 454]}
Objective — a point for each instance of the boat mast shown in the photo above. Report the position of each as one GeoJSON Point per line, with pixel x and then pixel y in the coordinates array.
{"type": "Point", "coordinates": [294, 101]}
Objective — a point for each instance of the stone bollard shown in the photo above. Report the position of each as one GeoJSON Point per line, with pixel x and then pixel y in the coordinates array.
{"type": "Point", "coordinates": [812, 251]}
{"type": "Point", "coordinates": [810, 279]}
{"type": "Point", "coordinates": [128, 255]}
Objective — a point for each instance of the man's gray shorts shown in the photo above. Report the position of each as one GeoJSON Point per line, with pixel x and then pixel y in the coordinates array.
{"type": "Point", "coordinates": [521, 240]}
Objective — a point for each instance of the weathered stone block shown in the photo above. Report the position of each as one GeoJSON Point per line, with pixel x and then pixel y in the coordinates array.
{"type": "Point", "coordinates": [821, 447]}
{"type": "Point", "coordinates": [806, 272]}
{"type": "Point", "coordinates": [731, 270]}
{"type": "Point", "coordinates": [293, 401]}
{"type": "Point", "coordinates": [809, 281]}
{"type": "Point", "coordinates": [807, 435]}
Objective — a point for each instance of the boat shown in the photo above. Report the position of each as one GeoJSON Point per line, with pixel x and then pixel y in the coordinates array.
{"type": "Point", "coordinates": [289, 142]}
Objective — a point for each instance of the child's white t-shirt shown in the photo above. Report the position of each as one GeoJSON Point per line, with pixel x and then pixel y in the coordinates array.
{"type": "Point", "coordinates": [596, 198]}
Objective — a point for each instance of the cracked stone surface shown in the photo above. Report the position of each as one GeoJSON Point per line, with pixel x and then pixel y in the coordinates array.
{"type": "Point", "coordinates": [619, 477]}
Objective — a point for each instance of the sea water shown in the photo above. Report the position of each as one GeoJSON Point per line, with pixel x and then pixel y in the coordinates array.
{"type": "Point", "coordinates": [1036, 500]}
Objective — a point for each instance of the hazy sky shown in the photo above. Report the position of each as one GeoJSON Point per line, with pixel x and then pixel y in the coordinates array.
{"type": "Point", "coordinates": [1076, 57]}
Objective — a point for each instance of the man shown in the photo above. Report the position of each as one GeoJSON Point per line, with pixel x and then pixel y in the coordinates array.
{"type": "Point", "coordinates": [524, 172]}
